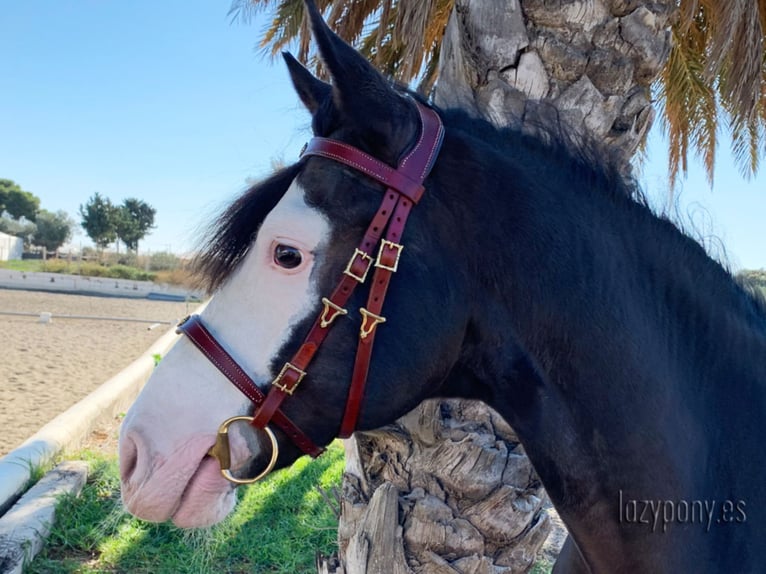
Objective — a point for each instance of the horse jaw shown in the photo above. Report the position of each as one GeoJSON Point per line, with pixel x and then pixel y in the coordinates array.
{"type": "Point", "coordinates": [166, 434]}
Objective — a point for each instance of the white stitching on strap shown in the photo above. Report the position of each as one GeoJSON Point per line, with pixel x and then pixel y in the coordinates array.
{"type": "Point", "coordinates": [248, 391]}
{"type": "Point", "coordinates": [348, 162]}
{"type": "Point", "coordinates": [299, 437]}
{"type": "Point", "coordinates": [420, 139]}
{"type": "Point", "coordinates": [434, 147]}
{"type": "Point", "coordinates": [379, 164]}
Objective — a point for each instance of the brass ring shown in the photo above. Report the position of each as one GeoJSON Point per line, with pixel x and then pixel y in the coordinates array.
{"type": "Point", "coordinates": [221, 452]}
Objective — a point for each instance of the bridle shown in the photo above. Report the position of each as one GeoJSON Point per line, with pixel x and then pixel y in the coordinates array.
{"type": "Point", "coordinates": [404, 188]}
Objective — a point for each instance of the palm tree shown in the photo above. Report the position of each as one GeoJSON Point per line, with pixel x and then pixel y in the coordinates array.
{"type": "Point", "coordinates": [701, 60]}
{"type": "Point", "coordinates": [448, 489]}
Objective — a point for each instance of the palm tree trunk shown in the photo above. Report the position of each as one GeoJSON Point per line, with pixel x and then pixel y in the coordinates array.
{"type": "Point", "coordinates": [590, 62]}
{"type": "Point", "coordinates": [448, 489]}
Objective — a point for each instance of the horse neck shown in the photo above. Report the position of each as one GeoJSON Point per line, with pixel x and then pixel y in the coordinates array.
{"type": "Point", "coordinates": [587, 284]}
{"type": "Point", "coordinates": [586, 309]}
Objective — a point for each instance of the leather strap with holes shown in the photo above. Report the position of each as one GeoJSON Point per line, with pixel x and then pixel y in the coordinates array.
{"type": "Point", "coordinates": [404, 189]}
{"type": "Point", "coordinates": [415, 166]}
{"type": "Point", "coordinates": [198, 334]}
{"type": "Point", "coordinates": [355, 273]}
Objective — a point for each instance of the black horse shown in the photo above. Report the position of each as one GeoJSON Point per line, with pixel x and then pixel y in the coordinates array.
{"type": "Point", "coordinates": [631, 365]}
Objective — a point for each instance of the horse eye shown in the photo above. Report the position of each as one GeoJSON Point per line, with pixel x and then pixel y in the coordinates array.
{"type": "Point", "coordinates": [287, 256]}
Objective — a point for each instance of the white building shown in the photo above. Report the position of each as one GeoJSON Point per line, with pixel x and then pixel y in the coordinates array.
{"type": "Point", "coordinates": [11, 247]}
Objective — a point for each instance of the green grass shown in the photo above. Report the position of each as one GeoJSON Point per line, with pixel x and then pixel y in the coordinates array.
{"type": "Point", "coordinates": [26, 265]}
{"type": "Point", "coordinates": [277, 528]}
{"type": "Point", "coordinates": [541, 567]}
{"type": "Point", "coordinates": [36, 472]}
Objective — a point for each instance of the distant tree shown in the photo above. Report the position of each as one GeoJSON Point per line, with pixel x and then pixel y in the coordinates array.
{"type": "Point", "coordinates": [755, 277]}
{"type": "Point", "coordinates": [19, 227]}
{"type": "Point", "coordinates": [6, 186]}
{"type": "Point", "coordinates": [98, 220]}
{"type": "Point", "coordinates": [53, 229]}
{"type": "Point", "coordinates": [17, 202]}
{"type": "Point", "coordinates": [134, 220]}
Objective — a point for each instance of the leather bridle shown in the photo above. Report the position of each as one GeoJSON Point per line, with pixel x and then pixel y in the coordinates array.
{"type": "Point", "coordinates": [404, 188]}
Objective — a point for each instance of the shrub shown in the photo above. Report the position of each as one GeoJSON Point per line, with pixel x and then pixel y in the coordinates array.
{"type": "Point", "coordinates": [89, 253]}
{"type": "Point", "coordinates": [122, 272]}
{"type": "Point", "coordinates": [129, 259]}
{"type": "Point", "coordinates": [180, 277]}
{"type": "Point", "coordinates": [757, 277]}
{"type": "Point", "coordinates": [55, 266]}
{"type": "Point", "coordinates": [93, 269]}
{"type": "Point", "coordinates": [164, 261]}
{"type": "Point", "coordinates": [125, 272]}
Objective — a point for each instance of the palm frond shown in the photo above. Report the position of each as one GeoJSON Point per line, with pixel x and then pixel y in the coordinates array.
{"type": "Point", "coordinates": [380, 47]}
{"type": "Point", "coordinates": [749, 140]}
{"type": "Point", "coordinates": [688, 102]}
{"type": "Point", "coordinates": [348, 19]}
{"type": "Point", "coordinates": [402, 37]}
{"type": "Point", "coordinates": [244, 10]}
{"type": "Point", "coordinates": [716, 68]}
{"type": "Point", "coordinates": [736, 56]}
{"type": "Point", "coordinates": [715, 76]}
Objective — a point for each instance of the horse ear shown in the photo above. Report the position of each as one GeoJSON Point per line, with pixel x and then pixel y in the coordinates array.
{"type": "Point", "coordinates": [312, 91]}
{"type": "Point", "coordinates": [360, 92]}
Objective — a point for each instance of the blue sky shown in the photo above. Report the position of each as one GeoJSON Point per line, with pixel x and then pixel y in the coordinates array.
{"type": "Point", "coordinates": [172, 103]}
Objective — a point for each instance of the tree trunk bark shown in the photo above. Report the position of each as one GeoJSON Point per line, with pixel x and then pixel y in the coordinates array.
{"type": "Point", "coordinates": [586, 63]}
{"type": "Point", "coordinates": [448, 489]}
{"type": "Point", "coordinates": [466, 497]}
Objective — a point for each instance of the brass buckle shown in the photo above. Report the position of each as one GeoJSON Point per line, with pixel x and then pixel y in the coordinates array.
{"type": "Point", "coordinates": [366, 329]}
{"type": "Point", "coordinates": [283, 387]}
{"type": "Point", "coordinates": [385, 243]}
{"type": "Point", "coordinates": [366, 258]}
{"type": "Point", "coordinates": [222, 452]}
{"type": "Point", "coordinates": [330, 313]}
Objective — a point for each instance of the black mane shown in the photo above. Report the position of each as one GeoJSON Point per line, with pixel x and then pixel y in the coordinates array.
{"type": "Point", "coordinates": [586, 166]}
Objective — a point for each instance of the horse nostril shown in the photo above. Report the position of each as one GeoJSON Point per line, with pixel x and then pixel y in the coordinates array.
{"type": "Point", "coordinates": [128, 458]}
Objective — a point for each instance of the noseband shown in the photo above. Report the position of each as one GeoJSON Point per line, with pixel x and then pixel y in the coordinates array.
{"type": "Point", "coordinates": [404, 189]}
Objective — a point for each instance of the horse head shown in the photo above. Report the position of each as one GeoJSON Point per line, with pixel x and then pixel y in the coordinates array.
{"type": "Point", "coordinates": [273, 259]}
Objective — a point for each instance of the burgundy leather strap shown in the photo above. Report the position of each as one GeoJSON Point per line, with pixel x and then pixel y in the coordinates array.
{"type": "Point", "coordinates": [198, 334]}
{"type": "Point", "coordinates": [367, 164]}
{"type": "Point", "coordinates": [404, 189]}
{"type": "Point", "coordinates": [416, 165]}
{"type": "Point", "coordinates": [357, 268]}
{"type": "Point", "coordinates": [380, 281]}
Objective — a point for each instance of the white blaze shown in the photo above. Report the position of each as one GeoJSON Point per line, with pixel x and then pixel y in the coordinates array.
{"type": "Point", "coordinates": [174, 420]}
{"type": "Point", "coordinates": [263, 301]}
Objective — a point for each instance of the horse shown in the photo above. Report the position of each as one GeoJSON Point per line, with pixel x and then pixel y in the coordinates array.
{"type": "Point", "coordinates": [529, 276]}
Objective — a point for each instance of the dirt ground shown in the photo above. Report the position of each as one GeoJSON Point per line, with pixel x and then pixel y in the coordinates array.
{"type": "Point", "coordinates": [47, 367]}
